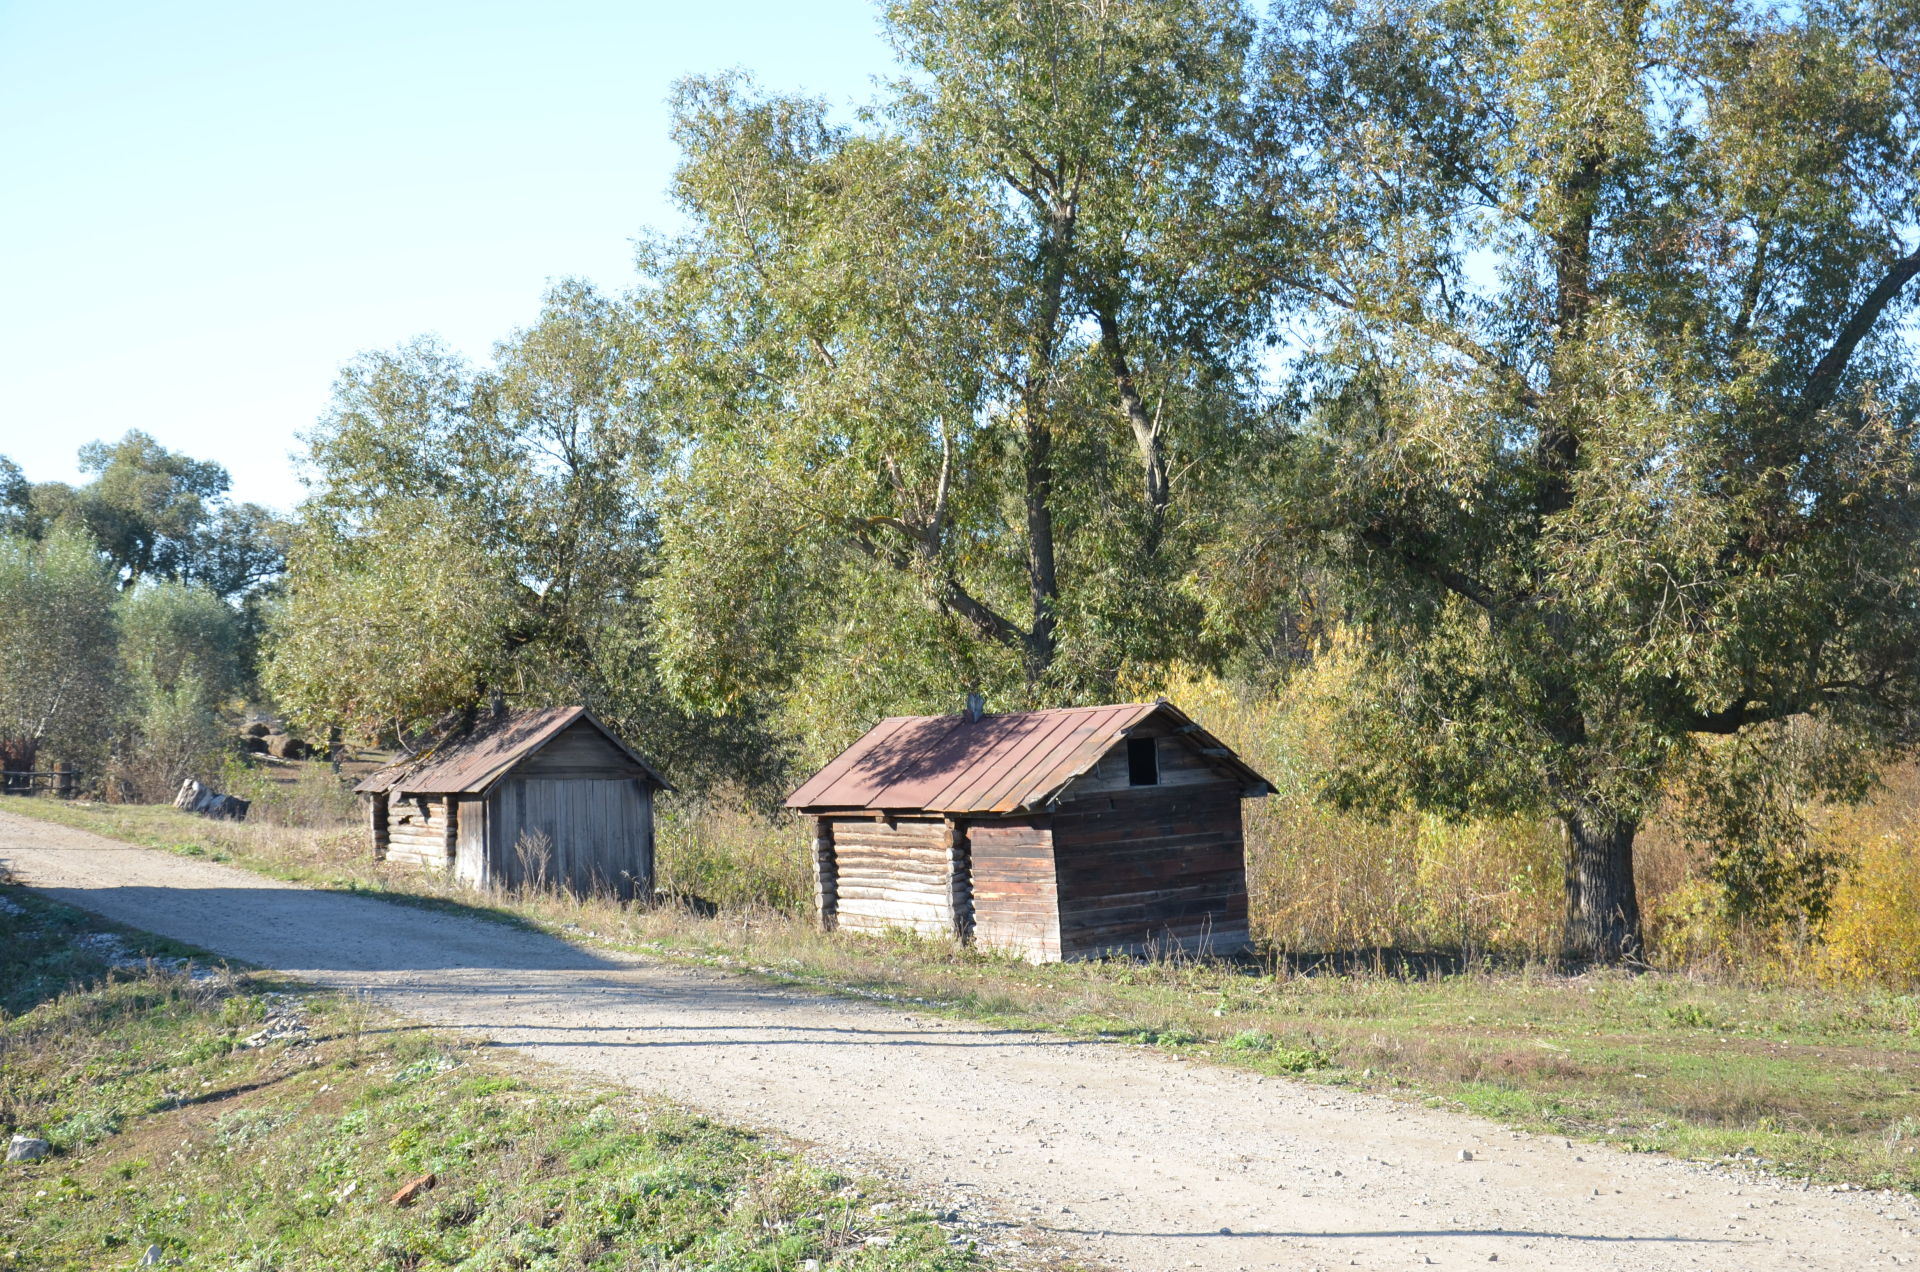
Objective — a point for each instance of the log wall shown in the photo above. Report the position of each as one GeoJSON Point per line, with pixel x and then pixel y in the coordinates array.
{"type": "Point", "coordinates": [1149, 869]}
{"type": "Point", "coordinates": [891, 876]}
{"type": "Point", "coordinates": [826, 875]}
{"type": "Point", "coordinates": [376, 806]}
{"type": "Point", "coordinates": [420, 831]}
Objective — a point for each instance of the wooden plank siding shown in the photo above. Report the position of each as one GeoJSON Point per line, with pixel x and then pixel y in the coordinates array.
{"type": "Point", "coordinates": [1016, 899]}
{"type": "Point", "coordinates": [472, 864]}
{"type": "Point", "coordinates": [887, 876]}
{"type": "Point", "coordinates": [598, 834]}
{"type": "Point", "coordinates": [1150, 868]}
{"type": "Point", "coordinates": [578, 751]}
{"type": "Point", "coordinates": [1180, 765]}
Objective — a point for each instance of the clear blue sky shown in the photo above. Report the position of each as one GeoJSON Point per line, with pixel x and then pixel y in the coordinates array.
{"type": "Point", "coordinates": [206, 208]}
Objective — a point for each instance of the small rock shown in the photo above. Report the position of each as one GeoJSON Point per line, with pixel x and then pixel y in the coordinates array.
{"type": "Point", "coordinates": [809, 1265]}
{"type": "Point", "coordinates": [152, 1258]}
{"type": "Point", "coordinates": [881, 1240]}
{"type": "Point", "coordinates": [25, 1148]}
{"type": "Point", "coordinates": [412, 1189]}
{"type": "Point", "coordinates": [1466, 1154]}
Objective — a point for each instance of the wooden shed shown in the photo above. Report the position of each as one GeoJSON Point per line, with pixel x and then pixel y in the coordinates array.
{"type": "Point", "coordinates": [527, 798]}
{"type": "Point", "coordinates": [1054, 834]}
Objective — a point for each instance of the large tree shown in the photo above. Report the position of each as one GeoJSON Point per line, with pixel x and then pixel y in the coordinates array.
{"type": "Point", "coordinates": [59, 691]}
{"type": "Point", "coordinates": [157, 514]}
{"type": "Point", "coordinates": [474, 532]}
{"type": "Point", "coordinates": [1613, 394]}
{"type": "Point", "coordinates": [958, 383]}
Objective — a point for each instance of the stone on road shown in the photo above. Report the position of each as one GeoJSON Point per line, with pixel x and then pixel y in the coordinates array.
{"type": "Point", "coordinates": [1126, 1157]}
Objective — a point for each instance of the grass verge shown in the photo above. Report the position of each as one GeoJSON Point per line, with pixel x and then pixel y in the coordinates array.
{"type": "Point", "coordinates": [228, 1119]}
{"type": "Point", "coordinates": [1818, 1083]}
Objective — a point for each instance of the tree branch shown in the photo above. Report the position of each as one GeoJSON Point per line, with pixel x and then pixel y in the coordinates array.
{"type": "Point", "coordinates": [1456, 581]}
{"type": "Point", "coordinates": [1824, 382]}
{"type": "Point", "coordinates": [1455, 340]}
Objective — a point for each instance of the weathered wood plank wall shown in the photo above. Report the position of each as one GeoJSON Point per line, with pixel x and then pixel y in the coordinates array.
{"type": "Point", "coordinates": [1151, 868]}
{"type": "Point", "coordinates": [598, 834]}
{"type": "Point", "coordinates": [1016, 900]}
{"type": "Point", "coordinates": [420, 831]}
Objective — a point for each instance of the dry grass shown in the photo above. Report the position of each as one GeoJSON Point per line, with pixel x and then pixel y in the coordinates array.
{"type": "Point", "coordinates": [1411, 955]}
{"type": "Point", "coordinates": [1819, 1082]}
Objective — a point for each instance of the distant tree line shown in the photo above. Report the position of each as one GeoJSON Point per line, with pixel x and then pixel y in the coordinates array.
{"type": "Point", "coordinates": [131, 609]}
{"type": "Point", "coordinates": [1562, 352]}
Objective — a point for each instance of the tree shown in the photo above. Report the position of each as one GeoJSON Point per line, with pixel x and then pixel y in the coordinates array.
{"type": "Point", "coordinates": [58, 687]}
{"type": "Point", "coordinates": [175, 635]}
{"type": "Point", "coordinates": [1613, 396]}
{"type": "Point", "coordinates": [473, 532]}
{"type": "Point", "coordinates": [159, 514]}
{"type": "Point", "coordinates": [15, 498]}
{"type": "Point", "coordinates": [181, 655]}
{"type": "Point", "coordinates": [958, 386]}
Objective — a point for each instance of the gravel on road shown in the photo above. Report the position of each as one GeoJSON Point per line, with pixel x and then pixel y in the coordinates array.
{"type": "Point", "coordinates": [1119, 1154]}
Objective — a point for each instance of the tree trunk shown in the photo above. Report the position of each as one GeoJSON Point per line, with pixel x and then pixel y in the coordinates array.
{"type": "Point", "coordinates": [1603, 908]}
{"type": "Point", "coordinates": [1146, 429]}
{"type": "Point", "coordinates": [1037, 404]}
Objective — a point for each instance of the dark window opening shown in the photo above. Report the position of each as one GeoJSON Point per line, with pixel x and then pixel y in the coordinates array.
{"type": "Point", "coordinates": [1143, 762]}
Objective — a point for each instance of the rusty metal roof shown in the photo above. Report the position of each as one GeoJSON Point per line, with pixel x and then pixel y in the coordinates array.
{"type": "Point", "coordinates": [470, 763]}
{"type": "Point", "coordinates": [996, 764]}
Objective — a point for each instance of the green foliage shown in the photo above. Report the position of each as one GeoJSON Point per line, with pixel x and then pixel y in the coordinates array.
{"type": "Point", "coordinates": [16, 495]}
{"type": "Point", "coordinates": [59, 691]}
{"type": "Point", "coordinates": [173, 634]}
{"type": "Point", "coordinates": [961, 386]}
{"type": "Point", "coordinates": [1612, 437]}
{"type": "Point", "coordinates": [479, 531]}
{"type": "Point", "coordinates": [157, 514]}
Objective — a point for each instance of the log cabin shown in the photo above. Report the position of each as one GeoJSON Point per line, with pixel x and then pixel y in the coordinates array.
{"type": "Point", "coordinates": [527, 799]}
{"type": "Point", "coordinates": [1071, 833]}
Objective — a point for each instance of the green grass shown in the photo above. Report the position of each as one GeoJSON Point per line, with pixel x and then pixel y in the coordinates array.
{"type": "Point", "coordinates": [169, 1130]}
{"type": "Point", "coordinates": [1820, 1083]}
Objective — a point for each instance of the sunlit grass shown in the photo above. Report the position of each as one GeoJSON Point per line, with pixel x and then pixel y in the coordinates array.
{"type": "Point", "coordinates": [1817, 1080]}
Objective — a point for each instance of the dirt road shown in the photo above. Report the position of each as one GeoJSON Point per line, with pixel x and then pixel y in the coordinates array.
{"type": "Point", "coordinates": [1131, 1158]}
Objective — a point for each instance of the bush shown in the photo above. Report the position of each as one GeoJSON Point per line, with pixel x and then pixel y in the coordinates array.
{"type": "Point", "coordinates": [721, 850]}
{"type": "Point", "coordinates": [1872, 931]}
{"type": "Point", "coordinates": [174, 736]}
